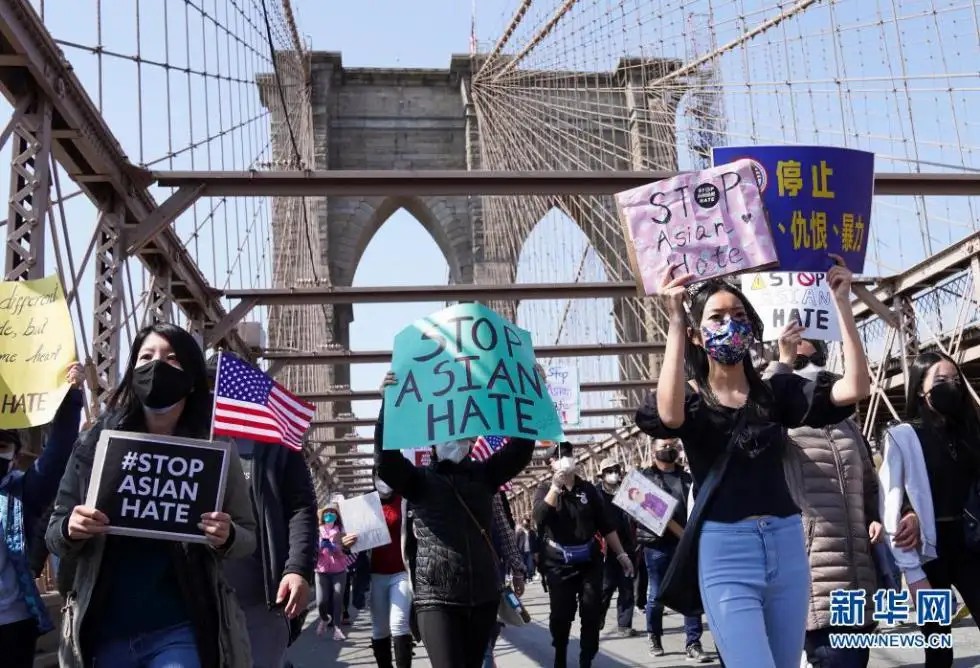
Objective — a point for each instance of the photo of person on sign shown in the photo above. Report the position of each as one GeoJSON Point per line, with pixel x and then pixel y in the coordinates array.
{"type": "Point", "coordinates": [177, 589]}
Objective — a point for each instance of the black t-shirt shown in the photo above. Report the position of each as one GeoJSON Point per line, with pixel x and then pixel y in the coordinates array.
{"type": "Point", "coordinates": [950, 467]}
{"type": "Point", "coordinates": [622, 522]}
{"type": "Point", "coordinates": [581, 513]}
{"type": "Point", "coordinates": [752, 485]}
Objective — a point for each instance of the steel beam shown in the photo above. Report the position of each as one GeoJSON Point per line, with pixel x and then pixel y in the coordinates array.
{"type": "Point", "coordinates": [374, 395]}
{"type": "Point", "coordinates": [86, 149]}
{"type": "Point", "coordinates": [949, 261]}
{"type": "Point", "coordinates": [382, 356]}
{"type": "Point", "coordinates": [368, 422]}
{"type": "Point", "coordinates": [30, 192]}
{"type": "Point", "coordinates": [108, 313]}
{"type": "Point", "coordinates": [328, 183]}
{"type": "Point", "coordinates": [432, 293]}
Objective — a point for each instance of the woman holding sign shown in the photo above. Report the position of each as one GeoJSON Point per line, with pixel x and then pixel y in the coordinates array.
{"type": "Point", "coordinates": [456, 591]}
{"type": "Point", "coordinates": [135, 602]}
{"type": "Point", "coordinates": [743, 548]}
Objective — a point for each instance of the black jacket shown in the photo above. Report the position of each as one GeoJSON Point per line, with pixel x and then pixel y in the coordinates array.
{"type": "Point", "coordinates": [677, 483]}
{"type": "Point", "coordinates": [454, 564]}
{"type": "Point", "coordinates": [622, 521]}
{"type": "Point", "coordinates": [285, 509]}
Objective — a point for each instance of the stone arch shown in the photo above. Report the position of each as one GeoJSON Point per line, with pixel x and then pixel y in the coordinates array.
{"type": "Point", "coordinates": [443, 218]}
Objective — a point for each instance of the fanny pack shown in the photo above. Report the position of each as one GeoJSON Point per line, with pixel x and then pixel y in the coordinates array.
{"type": "Point", "coordinates": [573, 554]}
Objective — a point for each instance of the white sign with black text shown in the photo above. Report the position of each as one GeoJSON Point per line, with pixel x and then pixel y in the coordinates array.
{"type": "Point", "coordinates": [784, 297]}
{"type": "Point", "coordinates": [157, 486]}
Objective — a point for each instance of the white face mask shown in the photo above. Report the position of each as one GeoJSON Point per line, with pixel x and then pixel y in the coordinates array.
{"type": "Point", "coordinates": [810, 371]}
{"type": "Point", "coordinates": [565, 465]}
{"type": "Point", "coordinates": [383, 489]}
{"type": "Point", "coordinates": [453, 451]}
{"type": "Point", "coordinates": [612, 478]}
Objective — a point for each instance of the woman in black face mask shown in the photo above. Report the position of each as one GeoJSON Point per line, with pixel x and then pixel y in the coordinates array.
{"type": "Point", "coordinates": [168, 595]}
{"type": "Point", "coordinates": [931, 465]}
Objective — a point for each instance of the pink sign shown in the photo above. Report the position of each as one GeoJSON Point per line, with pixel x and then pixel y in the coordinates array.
{"type": "Point", "coordinates": [708, 223]}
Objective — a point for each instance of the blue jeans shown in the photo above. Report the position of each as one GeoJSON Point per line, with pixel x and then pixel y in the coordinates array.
{"type": "Point", "coordinates": [171, 647]}
{"type": "Point", "coordinates": [657, 560]}
{"type": "Point", "coordinates": [755, 584]}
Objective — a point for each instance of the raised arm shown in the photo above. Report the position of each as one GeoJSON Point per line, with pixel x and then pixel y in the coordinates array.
{"type": "Point", "coordinates": [396, 471]}
{"type": "Point", "coordinates": [855, 384]}
{"type": "Point", "coordinates": [670, 385]}
{"type": "Point", "coordinates": [508, 461]}
{"type": "Point", "coordinates": [42, 477]}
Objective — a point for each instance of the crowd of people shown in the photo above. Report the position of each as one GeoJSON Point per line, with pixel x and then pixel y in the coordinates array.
{"type": "Point", "coordinates": [779, 503]}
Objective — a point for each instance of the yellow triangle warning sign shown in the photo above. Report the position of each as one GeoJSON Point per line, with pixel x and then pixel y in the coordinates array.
{"type": "Point", "coordinates": [758, 283]}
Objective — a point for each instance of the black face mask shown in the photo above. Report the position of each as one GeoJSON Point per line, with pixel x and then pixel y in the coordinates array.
{"type": "Point", "coordinates": [667, 455]}
{"type": "Point", "coordinates": [817, 359]}
{"type": "Point", "coordinates": [160, 385]}
{"type": "Point", "coordinates": [946, 398]}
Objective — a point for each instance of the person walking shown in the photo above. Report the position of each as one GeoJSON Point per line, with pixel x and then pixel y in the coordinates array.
{"type": "Point", "coordinates": [456, 595]}
{"type": "Point", "coordinates": [138, 602]}
{"type": "Point", "coordinates": [24, 496]}
{"type": "Point", "coordinates": [614, 578]}
{"type": "Point", "coordinates": [570, 513]}
{"type": "Point", "coordinates": [273, 584]}
{"type": "Point", "coordinates": [932, 463]}
{"type": "Point", "coordinates": [331, 570]}
{"type": "Point", "coordinates": [833, 480]}
{"type": "Point", "coordinates": [659, 550]}
{"type": "Point", "coordinates": [744, 543]}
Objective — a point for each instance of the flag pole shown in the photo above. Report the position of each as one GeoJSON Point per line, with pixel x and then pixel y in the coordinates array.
{"type": "Point", "coordinates": [214, 394]}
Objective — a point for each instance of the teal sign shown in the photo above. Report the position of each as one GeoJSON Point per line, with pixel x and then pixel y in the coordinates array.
{"type": "Point", "coordinates": [466, 372]}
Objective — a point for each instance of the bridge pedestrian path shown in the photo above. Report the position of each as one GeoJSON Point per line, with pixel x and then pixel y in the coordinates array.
{"type": "Point", "coordinates": [530, 646]}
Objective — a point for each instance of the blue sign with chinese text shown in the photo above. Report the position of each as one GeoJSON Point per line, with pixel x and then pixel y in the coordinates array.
{"type": "Point", "coordinates": [818, 199]}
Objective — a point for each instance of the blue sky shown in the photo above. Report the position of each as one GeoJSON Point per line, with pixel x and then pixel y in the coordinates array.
{"type": "Point", "coordinates": [231, 242]}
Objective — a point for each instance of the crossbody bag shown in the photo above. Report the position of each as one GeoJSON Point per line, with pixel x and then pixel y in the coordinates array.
{"type": "Point", "coordinates": [510, 607]}
{"type": "Point", "coordinates": [680, 589]}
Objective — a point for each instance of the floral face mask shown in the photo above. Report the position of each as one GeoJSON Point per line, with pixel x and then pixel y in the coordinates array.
{"type": "Point", "coordinates": [728, 342]}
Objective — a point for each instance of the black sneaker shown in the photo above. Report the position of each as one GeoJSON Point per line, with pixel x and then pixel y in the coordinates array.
{"type": "Point", "coordinates": [696, 653]}
{"type": "Point", "coordinates": [656, 649]}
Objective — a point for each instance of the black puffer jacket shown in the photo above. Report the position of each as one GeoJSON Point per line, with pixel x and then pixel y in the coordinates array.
{"type": "Point", "coordinates": [454, 564]}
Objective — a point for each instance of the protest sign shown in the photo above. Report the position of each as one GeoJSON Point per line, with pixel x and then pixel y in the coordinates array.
{"type": "Point", "coordinates": [37, 345]}
{"type": "Point", "coordinates": [420, 457]}
{"type": "Point", "coordinates": [645, 502]}
{"type": "Point", "coordinates": [362, 515]}
{"type": "Point", "coordinates": [818, 199]}
{"type": "Point", "coordinates": [157, 486]}
{"type": "Point", "coordinates": [708, 223]}
{"type": "Point", "coordinates": [465, 372]}
{"type": "Point", "coordinates": [785, 297]}
{"type": "Point", "coordinates": [563, 388]}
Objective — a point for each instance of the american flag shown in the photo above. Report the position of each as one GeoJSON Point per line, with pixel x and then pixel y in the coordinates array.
{"type": "Point", "coordinates": [249, 404]}
{"type": "Point", "coordinates": [486, 446]}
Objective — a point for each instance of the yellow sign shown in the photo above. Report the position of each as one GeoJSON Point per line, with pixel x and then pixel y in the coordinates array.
{"type": "Point", "coordinates": [758, 283]}
{"type": "Point", "coordinates": [37, 345]}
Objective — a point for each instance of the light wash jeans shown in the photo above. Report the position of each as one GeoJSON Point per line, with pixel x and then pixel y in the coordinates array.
{"type": "Point", "coordinates": [391, 605]}
{"type": "Point", "coordinates": [755, 584]}
{"type": "Point", "coordinates": [172, 647]}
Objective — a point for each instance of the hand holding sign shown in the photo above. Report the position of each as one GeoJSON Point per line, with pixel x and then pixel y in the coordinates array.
{"type": "Point", "coordinates": [85, 522]}
{"type": "Point", "coordinates": [840, 279]}
{"type": "Point", "coordinates": [216, 527]}
{"type": "Point", "coordinates": [674, 292]}
{"type": "Point", "coordinates": [76, 375]}
{"type": "Point", "coordinates": [349, 540]}
{"type": "Point", "coordinates": [789, 339]}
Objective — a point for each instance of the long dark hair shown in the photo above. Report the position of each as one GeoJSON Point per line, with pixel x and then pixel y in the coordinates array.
{"type": "Point", "coordinates": [917, 410]}
{"type": "Point", "coordinates": [195, 419]}
{"type": "Point", "coordinates": [696, 359]}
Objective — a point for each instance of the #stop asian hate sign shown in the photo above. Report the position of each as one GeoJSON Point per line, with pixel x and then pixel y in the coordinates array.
{"type": "Point", "coordinates": [465, 372]}
{"type": "Point", "coordinates": [157, 486]}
